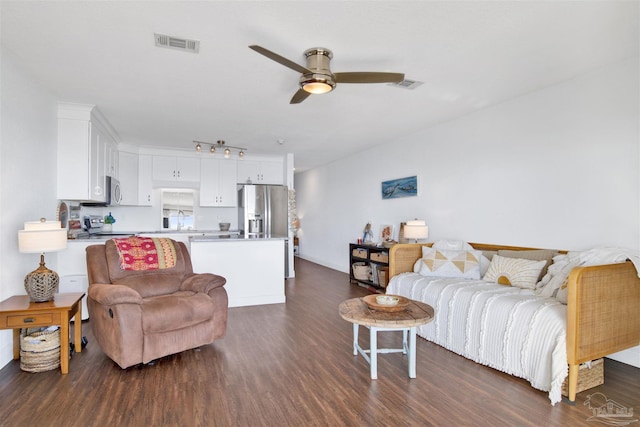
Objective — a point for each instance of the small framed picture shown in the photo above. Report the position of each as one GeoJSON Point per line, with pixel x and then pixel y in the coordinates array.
{"type": "Point", "coordinates": [386, 233]}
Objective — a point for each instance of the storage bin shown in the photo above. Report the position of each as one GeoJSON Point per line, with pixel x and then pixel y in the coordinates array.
{"type": "Point", "coordinates": [359, 253]}
{"type": "Point", "coordinates": [39, 349]}
{"type": "Point", "coordinates": [380, 256]}
{"type": "Point", "coordinates": [361, 271]}
{"type": "Point", "coordinates": [587, 377]}
{"type": "Point", "coordinates": [383, 276]}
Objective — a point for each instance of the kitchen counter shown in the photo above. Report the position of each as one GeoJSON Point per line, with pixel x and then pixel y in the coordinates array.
{"type": "Point", "coordinates": [186, 237]}
{"type": "Point", "coordinates": [227, 237]}
{"type": "Point", "coordinates": [254, 267]}
{"type": "Point", "coordinates": [181, 235]}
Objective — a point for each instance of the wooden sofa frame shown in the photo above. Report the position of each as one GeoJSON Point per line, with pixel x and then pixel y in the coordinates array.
{"type": "Point", "coordinates": [602, 308]}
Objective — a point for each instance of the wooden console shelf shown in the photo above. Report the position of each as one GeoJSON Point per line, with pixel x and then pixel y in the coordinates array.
{"type": "Point", "coordinates": [377, 259]}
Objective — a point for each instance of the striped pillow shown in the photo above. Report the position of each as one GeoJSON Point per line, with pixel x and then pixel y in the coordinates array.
{"type": "Point", "coordinates": [521, 273]}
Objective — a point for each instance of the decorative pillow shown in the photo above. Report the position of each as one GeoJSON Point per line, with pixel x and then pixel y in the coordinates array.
{"type": "Point", "coordinates": [447, 263]}
{"type": "Point", "coordinates": [489, 254]}
{"type": "Point", "coordinates": [563, 294]}
{"type": "Point", "coordinates": [452, 245]}
{"type": "Point", "coordinates": [557, 274]}
{"type": "Point", "coordinates": [534, 255]}
{"type": "Point", "coordinates": [416, 265]}
{"type": "Point", "coordinates": [522, 273]}
{"type": "Point", "coordinates": [485, 263]}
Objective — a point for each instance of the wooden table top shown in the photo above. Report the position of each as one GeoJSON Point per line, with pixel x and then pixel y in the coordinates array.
{"type": "Point", "coordinates": [355, 310]}
{"type": "Point", "coordinates": [18, 303]}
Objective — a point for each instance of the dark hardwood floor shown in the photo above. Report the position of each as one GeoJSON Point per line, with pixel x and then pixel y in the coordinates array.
{"type": "Point", "coordinates": [292, 365]}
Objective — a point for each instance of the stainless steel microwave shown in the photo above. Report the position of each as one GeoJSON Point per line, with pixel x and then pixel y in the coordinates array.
{"type": "Point", "coordinates": [114, 195]}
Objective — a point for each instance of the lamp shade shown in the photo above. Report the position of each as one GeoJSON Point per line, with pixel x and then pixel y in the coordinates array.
{"type": "Point", "coordinates": [42, 236]}
{"type": "Point", "coordinates": [416, 229]}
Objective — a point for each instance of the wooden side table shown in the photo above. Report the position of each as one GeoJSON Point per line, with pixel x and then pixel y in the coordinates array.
{"type": "Point", "coordinates": [18, 312]}
{"type": "Point", "coordinates": [356, 311]}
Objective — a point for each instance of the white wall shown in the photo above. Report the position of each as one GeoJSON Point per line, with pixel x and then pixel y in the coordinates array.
{"type": "Point", "coordinates": [27, 176]}
{"type": "Point", "coordinates": [556, 168]}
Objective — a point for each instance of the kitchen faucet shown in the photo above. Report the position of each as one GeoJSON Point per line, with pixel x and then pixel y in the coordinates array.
{"type": "Point", "coordinates": [179, 223]}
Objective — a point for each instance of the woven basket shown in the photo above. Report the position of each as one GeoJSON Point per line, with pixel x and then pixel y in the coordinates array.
{"type": "Point", "coordinates": [587, 377]}
{"type": "Point", "coordinates": [361, 271]}
{"type": "Point", "coordinates": [39, 350]}
{"type": "Point", "coordinates": [383, 276]}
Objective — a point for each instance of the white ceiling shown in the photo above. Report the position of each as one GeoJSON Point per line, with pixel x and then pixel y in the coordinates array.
{"type": "Point", "coordinates": [468, 54]}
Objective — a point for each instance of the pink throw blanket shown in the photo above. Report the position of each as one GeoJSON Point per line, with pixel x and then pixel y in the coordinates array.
{"type": "Point", "coordinates": [145, 253]}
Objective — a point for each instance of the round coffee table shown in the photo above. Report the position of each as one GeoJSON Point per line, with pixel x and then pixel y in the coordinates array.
{"type": "Point", "coordinates": [356, 311]}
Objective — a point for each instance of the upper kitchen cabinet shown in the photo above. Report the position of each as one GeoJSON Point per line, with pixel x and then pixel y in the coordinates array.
{"type": "Point", "coordinates": [87, 148]}
{"type": "Point", "coordinates": [128, 167]}
{"type": "Point", "coordinates": [112, 160]}
{"type": "Point", "coordinates": [171, 171]}
{"type": "Point", "coordinates": [145, 180]}
{"type": "Point", "coordinates": [135, 178]}
{"type": "Point", "coordinates": [260, 172]}
{"type": "Point", "coordinates": [218, 183]}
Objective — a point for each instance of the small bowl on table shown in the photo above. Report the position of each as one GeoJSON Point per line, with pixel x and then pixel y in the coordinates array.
{"type": "Point", "coordinates": [224, 226]}
{"type": "Point", "coordinates": [389, 300]}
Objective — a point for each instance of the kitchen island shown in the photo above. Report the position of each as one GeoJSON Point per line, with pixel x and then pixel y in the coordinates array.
{"type": "Point", "coordinates": [253, 267]}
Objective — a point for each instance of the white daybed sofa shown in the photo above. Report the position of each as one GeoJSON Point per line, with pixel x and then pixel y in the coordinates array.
{"type": "Point", "coordinates": [532, 329]}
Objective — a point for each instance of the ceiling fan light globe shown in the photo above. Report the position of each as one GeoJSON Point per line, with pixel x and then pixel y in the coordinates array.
{"type": "Point", "coordinates": [317, 87]}
{"type": "Point", "coordinates": [317, 83]}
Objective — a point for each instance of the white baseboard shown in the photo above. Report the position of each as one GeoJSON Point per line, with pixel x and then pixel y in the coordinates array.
{"type": "Point", "coordinates": [324, 264]}
{"type": "Point", "coordinates": [256, 300]}
{"type": "Point", "coordinates": [630, 356]}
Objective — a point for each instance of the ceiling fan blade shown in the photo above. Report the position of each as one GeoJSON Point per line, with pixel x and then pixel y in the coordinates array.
{"type": "Point", "coordinates": [299, 96]}
{"type": "Point", "coordinates": [368, 77]}
{"type": "Point", "coordinates": [280, 59]}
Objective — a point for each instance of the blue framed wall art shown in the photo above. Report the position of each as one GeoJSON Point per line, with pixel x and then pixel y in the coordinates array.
{"type": "Point", "coordinates": [402, 187]}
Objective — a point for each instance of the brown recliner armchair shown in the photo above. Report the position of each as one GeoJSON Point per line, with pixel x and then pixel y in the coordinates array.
{"type": "Point", "coordinates": [140, 316]}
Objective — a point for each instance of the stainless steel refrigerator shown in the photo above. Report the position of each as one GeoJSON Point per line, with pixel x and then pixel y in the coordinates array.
{"type": "Point", "coordinates": [263, 210]}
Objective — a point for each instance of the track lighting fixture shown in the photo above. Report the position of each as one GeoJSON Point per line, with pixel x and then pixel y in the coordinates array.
{"type": "Point", "coordinates": [220, 144]}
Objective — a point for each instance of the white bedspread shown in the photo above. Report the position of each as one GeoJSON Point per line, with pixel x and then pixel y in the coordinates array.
{"type": "Point", "coordinates": [507, 328]}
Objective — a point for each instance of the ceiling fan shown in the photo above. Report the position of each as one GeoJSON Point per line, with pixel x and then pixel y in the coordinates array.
{"type": "Point", "coordinates": [317, 77]}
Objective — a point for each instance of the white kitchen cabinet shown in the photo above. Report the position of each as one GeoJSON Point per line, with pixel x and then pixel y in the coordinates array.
{"type": "Point", "coordinates": [260, 172]}
{"type": "Point", "coordinates": [218, 182]}
{"type": "Point", "coordinates": [97, 183]}
{"type": "Point", "coordinates": [145, 179]}
{"type": "Point", "coordinates": [85, 140]}
{"type": "Point", "coordinates": [112, 159]}
{"type": "Point", "coordinates": [128, 176]}
{"type": "Point", "coordinates": [176, 169]}
{"type": "Point", "coordinates": [72, 269]}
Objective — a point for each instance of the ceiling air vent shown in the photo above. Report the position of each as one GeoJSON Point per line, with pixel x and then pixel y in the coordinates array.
{"type": "Point", "coordinates": [407, 84]}
{"type": "Point", "coordinates": [163, 40]}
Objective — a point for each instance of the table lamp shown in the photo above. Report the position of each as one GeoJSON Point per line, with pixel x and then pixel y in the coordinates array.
{"type": "Point", "coordinates": [415, 230]}
{"type": "Point", "coordinates": [42, 236]}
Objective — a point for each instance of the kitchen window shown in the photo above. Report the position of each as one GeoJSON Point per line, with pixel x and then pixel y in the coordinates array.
{"type": "Point", "coordinates": [177, 210]}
